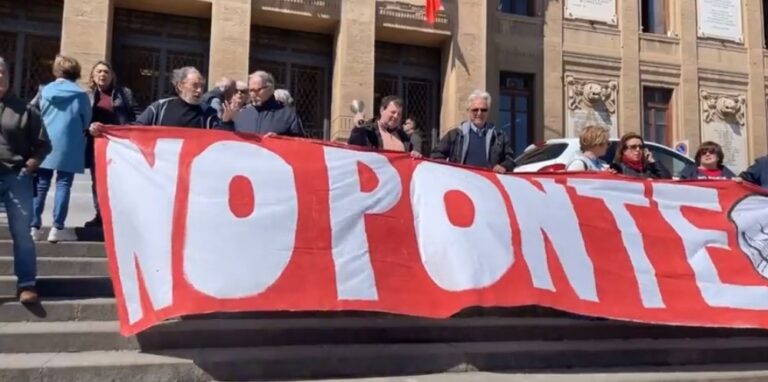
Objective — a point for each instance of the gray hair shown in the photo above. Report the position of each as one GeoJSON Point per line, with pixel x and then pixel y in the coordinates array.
{"type": "Point", "coordinates": [226, 83]}
{"type": "Point", "coordinates": [266, 78]}
{"type": "Point", "coordinates": [284, 96]}
{"type": "Point", "coordinates": [181, 74]}
{"type": "Point", "coordinates": [481, 95]}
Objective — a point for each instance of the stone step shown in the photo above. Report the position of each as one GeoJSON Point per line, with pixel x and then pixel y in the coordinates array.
{"type": "Point", "coordinates": [63, 286]}
{"type": "Point", "coordinates": [93, 309]}
{"type": "Point", "coordinates": [83, 234]}
{"type": "Point", "coordinates": [63, 249]}
{"type": "Point", "coordinates": [61, 266]}
{"type": "Point", "coordinates": [44, 337]}
{"type": "Point", "coordinates": [342, 361]}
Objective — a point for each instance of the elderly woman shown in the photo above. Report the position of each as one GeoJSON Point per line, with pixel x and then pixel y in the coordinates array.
{"type": "Point", "coordinates": [66, 113]}
{"type": "Point", "coordinates": [635, 160]}
{"type": "Point", "coordinates": [112, 105]}
{"type": "Point", "coordinates": [594, 143]}
{"type": "Point", "coordinates": [709, 164]}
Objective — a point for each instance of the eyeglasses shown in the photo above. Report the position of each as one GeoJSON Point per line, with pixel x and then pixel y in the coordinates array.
{"type": "Point", "coordinates": [708, 151]}
{"type": "Point", "coordinates": [258, 89]}
{"type": "Point", "coordinates": [242, 91]}
{"type": "Point", "coordinates": [635, 147]}
{"type": "Point", "coordinates": [478, 110]}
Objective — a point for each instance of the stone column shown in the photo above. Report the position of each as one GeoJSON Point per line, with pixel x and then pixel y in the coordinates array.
{"type": "Point", "coordinates": [87, 32]}
{"type": "Point", "coordinates": [465, 58]}
{"type": "Point", "coordinates": [554, 122]}
{"type": "Point", "coordinates": [756, 99]}
{"type": "Point", "coordinates": [353, 65]}
{"type": "Point", "coordinates": [230, 40]}
{"type": "Point", "coordinates": [630, 115]}
{"type": "Point", "coordinates": [688, 102]}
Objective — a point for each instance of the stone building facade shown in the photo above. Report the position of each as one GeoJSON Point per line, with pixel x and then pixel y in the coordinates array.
{"type": "Point", "coordinates": [678, 71]}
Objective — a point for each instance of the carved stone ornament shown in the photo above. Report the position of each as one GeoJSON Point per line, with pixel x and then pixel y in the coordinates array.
{"type": "Point", "coordinates": [591, 94]}
{"type": "Point", "coordinates": [728, 108]}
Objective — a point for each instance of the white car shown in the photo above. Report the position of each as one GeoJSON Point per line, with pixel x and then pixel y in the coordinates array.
{"type": "Point", "coordinates": [556, 154]}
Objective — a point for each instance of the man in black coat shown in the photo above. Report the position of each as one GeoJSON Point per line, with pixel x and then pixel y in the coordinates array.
{"type": "Point", "coordinates": [265, 115]}
{"type": "Point", "coordinates": [757, 173]}
{"type": "Point", "coordinates": [477, 142]}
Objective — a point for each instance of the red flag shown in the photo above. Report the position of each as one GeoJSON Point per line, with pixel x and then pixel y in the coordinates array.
{"type": "Point", "coordinates": [432, 7]}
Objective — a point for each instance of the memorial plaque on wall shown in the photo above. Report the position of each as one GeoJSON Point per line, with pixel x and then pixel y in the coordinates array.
{"type": "Point", "coordinates": [596, 10]}
{"type": "Point", "coordinates": [590, 102]}
{"type": "Point", "coordinates": [720, 19]}
{"type": "Point", "coordinates": [724, 122]}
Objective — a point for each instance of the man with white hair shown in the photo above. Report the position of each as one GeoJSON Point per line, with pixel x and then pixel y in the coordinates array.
{"type": "Point", "coordinates": [184, 110]}
{"type": "Point", "coordinates": [24, 144]}
{"type": "Point", "coordinates": [477, 142]}
{"type": "Point", "coordinates": [266, 115]}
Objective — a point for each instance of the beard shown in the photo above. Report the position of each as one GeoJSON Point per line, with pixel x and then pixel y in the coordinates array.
{"type": "Point", "coordinates": [192, 100]}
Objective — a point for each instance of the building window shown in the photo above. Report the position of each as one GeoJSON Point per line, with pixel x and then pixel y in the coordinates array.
{"type": "Point", "coordinates": [657, 115]}
{"type": "Point", "coordinates": [654, 16]}
{"type": "Point", "coordinates": [516, 7]}
{"type": "Point", "coordinates": [516, 108]}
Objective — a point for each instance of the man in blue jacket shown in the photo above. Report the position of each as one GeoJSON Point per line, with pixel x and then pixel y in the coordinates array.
{"type": "Point", "coordinates": [757, 173]}
{"type": "Point", "coordinates": [266, 115]}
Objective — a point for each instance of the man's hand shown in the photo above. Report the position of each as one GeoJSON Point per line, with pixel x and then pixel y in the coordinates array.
{"type": "Point", "coordinates": [738, 180]}
{"type": "Point", "coordinates": [32, 165]}
{"type": "Point", "coordinates": [270, 135]}
{"type": "Point", "coordinates": [499, 169]}
{"type": "Point", "coordinates": [416, 155]}
{"type": "Point", "coordinates": [228, 111]}
{"type": "Point", "coordinates": [96, 129]}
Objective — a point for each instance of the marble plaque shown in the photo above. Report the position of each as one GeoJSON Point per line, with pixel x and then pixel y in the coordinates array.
{"type": "Point", "coordinates": [596, 10]}
{"type": "Point", "coordinates": [733, 138]}
{"type": "Point", "coordinates": [590, 102]}
{"type": "Point", "coordinates": [720, 19]}
{"type": "Point", "coordinates": [724, 120]}
{"type": "Point", "coordinates": [577, 120]}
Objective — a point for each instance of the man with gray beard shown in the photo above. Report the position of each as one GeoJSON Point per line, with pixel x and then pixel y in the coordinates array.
{"type": "Point", "coordinates": [184, 110]}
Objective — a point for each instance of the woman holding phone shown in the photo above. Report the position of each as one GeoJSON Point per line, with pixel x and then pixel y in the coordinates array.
{"type": "Point", "coordinates": [635, 160]}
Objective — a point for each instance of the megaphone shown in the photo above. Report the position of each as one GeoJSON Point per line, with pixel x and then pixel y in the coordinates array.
{"type": "Point", "coordinates": [357, 108]}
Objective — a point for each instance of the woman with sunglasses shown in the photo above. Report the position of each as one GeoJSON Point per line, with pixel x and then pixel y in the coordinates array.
{"type": "Point", "coordinates": [709, 164]}
{"type": "Point", "coordinates": [635, 160]}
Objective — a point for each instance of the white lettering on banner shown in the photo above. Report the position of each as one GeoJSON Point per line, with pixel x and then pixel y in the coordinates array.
{"type": "Point", "coordinates": [141, 200]}
{"type": "Point", "coordinates": [696, 240]}
{"type": "Point", "coordinates": [460, 258]}
{"type": "Point", "coordinates": [230, 257]}
{"type": "Point", "coordinates": [617, 195]}
{"type": "Point", "coordinates": [551, 212]}
{"type": "Point", "coordinates": [348, 206]}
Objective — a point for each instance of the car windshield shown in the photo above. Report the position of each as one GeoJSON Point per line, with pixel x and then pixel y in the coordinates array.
{"type": "Point", "coordinates": [541, 153]}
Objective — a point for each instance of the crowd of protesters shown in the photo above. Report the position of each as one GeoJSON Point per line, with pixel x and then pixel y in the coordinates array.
{"type": "Point", "coordinates": [53, 135]}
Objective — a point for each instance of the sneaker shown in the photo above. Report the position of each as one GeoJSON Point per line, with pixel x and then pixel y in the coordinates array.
{"type": "Point", "coordinates": [93, 223]}
{"type": "Point", "coordinates": [28, 295]}
{"type": "Point", "coordinates": [56, 235]}
{"type": "Point", "coordinates": [36, 234]}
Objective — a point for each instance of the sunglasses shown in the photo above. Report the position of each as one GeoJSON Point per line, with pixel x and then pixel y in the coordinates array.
{"type": "Point", "coordinates": [242, 91]}
{"type": "Point", "coordinates": [479, 110]}
{"type": "Point", "coordinates": [635, 147]}
{"type": "Point", "coordinates": [708, 151]}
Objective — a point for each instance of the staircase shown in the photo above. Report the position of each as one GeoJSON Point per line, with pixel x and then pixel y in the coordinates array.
{"type": "Point", "coordinates": [73, 336]}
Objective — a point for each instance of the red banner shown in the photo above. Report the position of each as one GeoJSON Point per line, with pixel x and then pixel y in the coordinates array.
{"type": "Point", "coordinates": [209, 221]}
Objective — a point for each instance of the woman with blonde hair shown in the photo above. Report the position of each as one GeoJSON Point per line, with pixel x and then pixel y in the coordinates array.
{"type": "Point", "coordinates": [594, 143]}
{"type": "Point", "coordinates": [66, 114]}
{"type": "Point", "coordinates": [111, 105]}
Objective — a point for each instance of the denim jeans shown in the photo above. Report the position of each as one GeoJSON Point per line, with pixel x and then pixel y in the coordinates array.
{"type": "Point", "coordinates": [64, 181]}
{"type": "Point", "coordinates": [16, 195]}
{"type": "Point", "coordinates": [93, 190]}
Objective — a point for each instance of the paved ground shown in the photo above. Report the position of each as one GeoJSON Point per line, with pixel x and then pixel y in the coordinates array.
{"type": "Point", "coordinates": [80, 203]}
{"type": "Point", "coordinates": [745, 373]}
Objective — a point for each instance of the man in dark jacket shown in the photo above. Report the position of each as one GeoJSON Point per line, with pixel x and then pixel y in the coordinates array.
{"type": "Point", "coordinates": [757, 173]}
{"type": "Point", "coordinates": [265, 115]}
{"type": "Point", "coordinates": [384, 133]}
{"type": "Point", "coordinates": [23, 146]}
{"type": "Point", "coordinates": [477, 142]}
